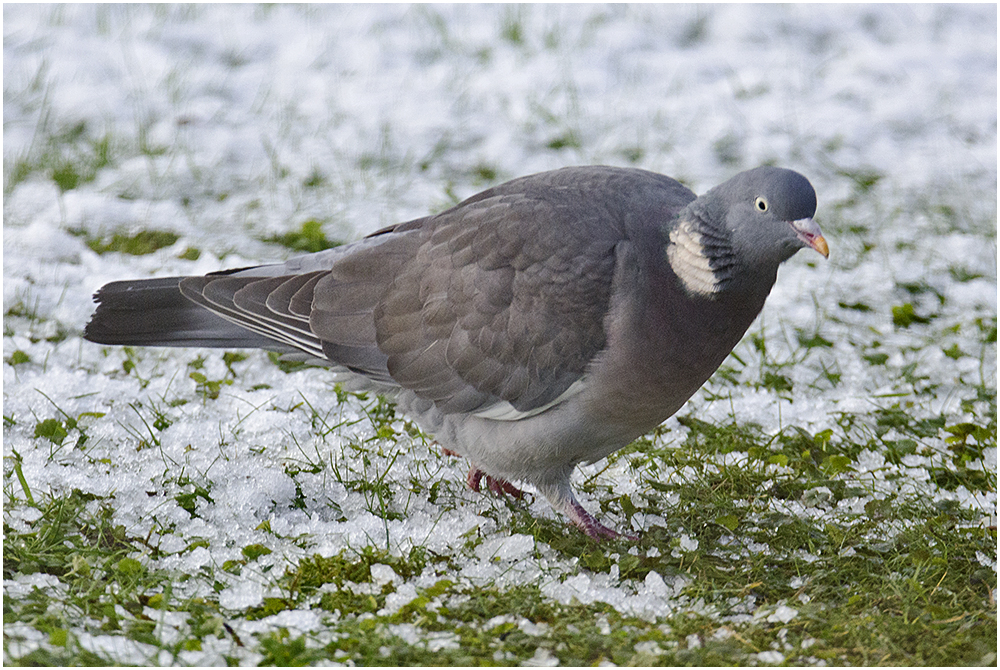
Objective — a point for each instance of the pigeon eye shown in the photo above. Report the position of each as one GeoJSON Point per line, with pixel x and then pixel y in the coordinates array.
{"type": "Point", "coordinates": [760, 204]}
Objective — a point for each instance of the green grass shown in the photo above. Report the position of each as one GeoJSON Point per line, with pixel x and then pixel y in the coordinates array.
{"type": "Point", "coordinates": [753, 526]}
{"type": "Point", "coordinates": [138, 244]}
{"type": "Point", "coordinates": [893, 580]}
{"type": "Point", "coordinates": [70, 157]}
{"type": "Point", "coordinates": [309, 238]}
{"type": "Point", "coordinates": [776, 548]}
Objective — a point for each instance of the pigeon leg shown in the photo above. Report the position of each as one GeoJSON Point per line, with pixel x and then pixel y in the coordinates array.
{"type": "Point", "coordinates": [564, 501]}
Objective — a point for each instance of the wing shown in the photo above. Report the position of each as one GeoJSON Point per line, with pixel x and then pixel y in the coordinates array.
{"type": "Point", "coordinates": [502, 306]}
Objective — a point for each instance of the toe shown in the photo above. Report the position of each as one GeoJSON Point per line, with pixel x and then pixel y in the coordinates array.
{"type": "Point", "coordinates": [503, 487]}
{"type": "Point", "coordinates": [475, 476]}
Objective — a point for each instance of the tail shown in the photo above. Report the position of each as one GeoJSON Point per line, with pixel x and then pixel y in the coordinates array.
{"type": "Point", "coordinates": [152, 312]}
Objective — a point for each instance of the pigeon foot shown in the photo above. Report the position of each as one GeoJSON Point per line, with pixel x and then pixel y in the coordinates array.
{"type": "Point", "coordinates": [589, 524]}
{"type": "Point", "coordinates": [498, 486]}
{"type": "Point", "coordinates": [579, 516]}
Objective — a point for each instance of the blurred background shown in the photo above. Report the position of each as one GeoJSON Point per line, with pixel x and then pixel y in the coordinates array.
{"type": "Point", "coordinates": [214, 121]}
{"type": "Point", "coordinates": [179, 139]}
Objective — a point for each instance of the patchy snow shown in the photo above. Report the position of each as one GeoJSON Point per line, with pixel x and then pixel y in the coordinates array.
{"type": "Point", "coordinates": [227, 125]}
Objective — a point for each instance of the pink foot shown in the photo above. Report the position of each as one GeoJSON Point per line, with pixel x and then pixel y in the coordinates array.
{"type": "Point", "coordinates": [562, 499]}
{"type": "Point", "coordinates": [586, 522]}
{"type": "Point", "coordinates": [495, 484]}
{"type": "Point", "coordinates": [448, 452]}
{"type": "Point", "coordinates": [502, 486]}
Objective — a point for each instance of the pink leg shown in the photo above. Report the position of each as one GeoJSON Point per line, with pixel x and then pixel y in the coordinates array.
{"type": "Point", "coordinates": [560, 496]}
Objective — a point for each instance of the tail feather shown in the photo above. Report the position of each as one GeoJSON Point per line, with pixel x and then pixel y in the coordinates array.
{"type": "Point", "coordinates": [152, 312]}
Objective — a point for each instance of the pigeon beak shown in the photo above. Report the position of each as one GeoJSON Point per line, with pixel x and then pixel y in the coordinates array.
{"type": "Point", "coordinates": [808, 231]}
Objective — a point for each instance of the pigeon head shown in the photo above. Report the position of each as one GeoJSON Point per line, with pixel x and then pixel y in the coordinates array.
{"type": "Point", "coordinates": [738, 233]}
{"type": "Point", "coordinates": [768, 215]}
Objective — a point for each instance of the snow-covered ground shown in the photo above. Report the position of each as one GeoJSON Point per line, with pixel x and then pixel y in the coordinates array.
{"type": "Point", "coordinates": [228, 125]}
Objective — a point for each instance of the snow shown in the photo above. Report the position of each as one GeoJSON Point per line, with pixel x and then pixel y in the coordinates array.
{"type": "Point", "coordinates": [783, 613]}
{"type": "Point", "coordinates": [218, 117]}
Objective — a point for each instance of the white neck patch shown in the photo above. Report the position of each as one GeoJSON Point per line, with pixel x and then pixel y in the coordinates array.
{"type": "Point", "coordinates": [687, 258]}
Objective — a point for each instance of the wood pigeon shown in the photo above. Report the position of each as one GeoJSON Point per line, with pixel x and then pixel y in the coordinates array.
{"type": "Point", "coordinates": [542, 323]}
